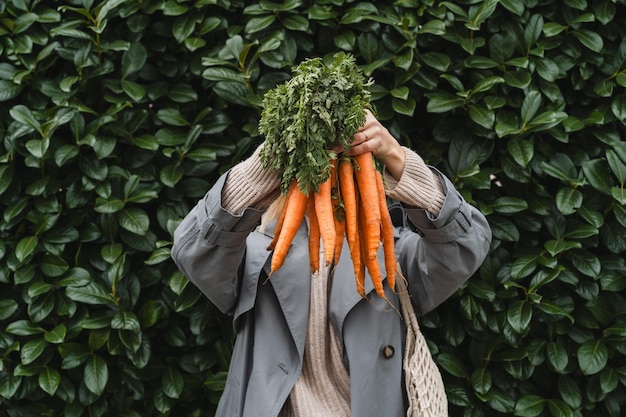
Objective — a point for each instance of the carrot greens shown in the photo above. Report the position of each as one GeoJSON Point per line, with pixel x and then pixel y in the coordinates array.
{"type": "Point", "coordinates": [320, 105]}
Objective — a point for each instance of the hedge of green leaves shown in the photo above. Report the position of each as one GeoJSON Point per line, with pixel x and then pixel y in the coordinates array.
{"type": "Point", "coordinates": [117, 115]}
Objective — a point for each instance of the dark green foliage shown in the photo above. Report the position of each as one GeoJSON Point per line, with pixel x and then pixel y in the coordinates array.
{"type": "Point", "coordinates": [116, 116]}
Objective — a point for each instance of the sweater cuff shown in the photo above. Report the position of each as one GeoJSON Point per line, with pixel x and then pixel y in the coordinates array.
{"type": "Point", "coordinates": [249, 184]}
{"type": "Point", "coordinates": [418, 186]}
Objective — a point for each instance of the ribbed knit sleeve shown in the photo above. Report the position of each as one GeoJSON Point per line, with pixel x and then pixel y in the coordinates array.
{"type": "Point", "coordinates": [419, 186]}
{"type": "Point", "coordinates": [248, 184]}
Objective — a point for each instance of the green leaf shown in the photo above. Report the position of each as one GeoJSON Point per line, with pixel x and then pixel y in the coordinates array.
{"type": "Point", "coordinates": [65, 154]}
{"type": "Point", "coordinates": [53, 265]}
{"type": "Point", "coordinates": [519, 315]}
{"type": "Point", "coordinates": [568, 200]}
{"type": "Point", "coordinates": [32, 350]}
{"type": "Point", "coordinates": [618, 106]}
{"type": "Point", "coordinates": [22, 114]}
{"type": "Point", "coordinates": [507, 124]}
{"type": "Point", "coordinates": [617, 165]}
{"type": "Point", "coordinates": [92, 293]}
{"type": "Point", "coordinates": [172, 382]}
{"type": "Point", "coordinates": [519, 78]}
{"type": "Point", "coordinates": [530, 105]}
{"type": "Point", "coordinates": [453, 365]}
{"type": "Point", "coordinates": [9, 90]}
{"type": "Point", "coordinates": [257, 24]}
{"type": "Point", "coordinates": [559, 408]}
{"type": "Point", "coordinates": [481, 380]}
{"type": "Point", "coordinates": [444, 102]}
{"type": "Point", "coordinates": [405, 107]}
{"type": "Point", "coordinates": [135, 220]}
{"type": "Point", "coordinates": [125, 320]}
{"type": "Point", "coordinates": [6, 177]}
{"type": "Point", "coordinates": [590, 39]}
{"type": "Point", "coordinates": [570, 392]}
{"type": "Point", "coordinates": [555, 247]}
{"type": "Point", "coordinates": [504, 229]}
{"type": "Point", "coordinates": [96, 374]}
{"type": "Point", "coordinates": [485, 84]}
{"type": "Point", "coordinates": [56, 335]}
{"type": "Point", "coordinates": [529, 406]}
{"type": "Point", "coordinates": [133, 59]}
{"type": "Point", "coordinates": [9, 384]}
{"type": "Point", "coordinates": [482, 116]}
{"type": "Point", "coordinates": [111, 205]}
{"type": "Point", "coordinates": [587, 263]}
{"type": "Point", "coordinates": [183, 27]}
{"type": "Point", "coordinates": [7, 308]}
{"type": "Point", "coordinates": [521, 150]}
{"type": "Point", "coordinates": [592, 356]}
{"type": "Point", "coordinates": [557, 356]}
{"type": "Point", "coordinates": [171, 174]}
{"type": "Point", "coordinates": [172, 117]}
{"type": "Point", "coordinates": [560, 166]}
{"type": "Point", "coordinates": [25, 247]}
{"type": "Point", "coordinates": [23, 328]}
{"type": "Point", "coordinates": [49, 380]}
{"type": "Point", "coordinates": [596, 173]}
{"type": "Point", "coordinates": [509, 205]}
{"type": "Point", "coordinates": [440, 62]}
{"type": "Point", "coordinates": [134, 90]}
{"type": "Point", "coordinates": [547, 69]}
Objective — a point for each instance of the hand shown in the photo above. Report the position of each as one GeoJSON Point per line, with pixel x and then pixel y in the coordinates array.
{"type": "Point", "coordinates": [375, 138]}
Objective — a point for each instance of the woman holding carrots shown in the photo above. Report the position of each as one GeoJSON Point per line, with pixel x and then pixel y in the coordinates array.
{"type": "Point", "coordinates": [308, 343]}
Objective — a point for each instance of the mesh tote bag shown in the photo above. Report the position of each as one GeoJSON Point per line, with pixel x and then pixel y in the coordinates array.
{"type": "Point", "coordinates": [425, 389]}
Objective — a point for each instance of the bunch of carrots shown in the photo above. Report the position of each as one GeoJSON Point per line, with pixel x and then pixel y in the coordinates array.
{"type": "Point", "coordinates": [350, 203]}
{"type": "Point", "coordinates": [319, 107]}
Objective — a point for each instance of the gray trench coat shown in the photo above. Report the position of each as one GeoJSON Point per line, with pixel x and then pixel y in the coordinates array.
{"type": "Point", "coordinates": [225, 256]}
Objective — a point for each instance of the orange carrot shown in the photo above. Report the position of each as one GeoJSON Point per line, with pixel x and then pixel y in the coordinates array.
{"type": "Point", "coordinates": [387, 233]}
{"type": "Point", "coordinates": [366, 180]}
{"type": "Point", "coordinates": [339, 214]}
{"type": "Point", "coordinates": [324, 212]}
{"type": "Point", "coordinates": [281, 218]}
{"type": "Point", "coordinates": [348, 196]}
{"type": "Point", "coordinates": [296, 209]}
{"type": "Point", "coordinates": [369, 259]}
{"type": "Point", "coordinates": [314, 237]}
{"type": "Point", "coordinates": [340, 228]}
{"type": "Point", "coordinates": [357, 254]}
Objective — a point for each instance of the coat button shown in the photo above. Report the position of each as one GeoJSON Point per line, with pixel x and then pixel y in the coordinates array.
{"type": "Point", "coordinates": [388, 351]}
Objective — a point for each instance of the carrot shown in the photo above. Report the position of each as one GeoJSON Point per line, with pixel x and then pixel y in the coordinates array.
{"type": "Point", "coordinates": [348, 196]}
{"type": "Point", "coordinates": [357, 255]}
{"type": "Point", "coordinates": [386, 233]}
{"type": "Point", "coordinates": [281, 218]}
{"type": "Point", "coordinates": [340, 228]}
{"type": "Point", "coordinates": [339, 214]}
{"type": "Point", "coordinates": [296, 209]}
{"type": "Point", "coordinates": [350, 201]}
{"type": "Point", "coordinates": [370, 260]}
{"type": "Point", "coordinates": [324, 212]}
{"type": "Point", "coordinates": [314, 237]}
{"type": "Point", "coordinates": [366, 180]}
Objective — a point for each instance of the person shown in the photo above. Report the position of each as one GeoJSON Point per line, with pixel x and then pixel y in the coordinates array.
{"type": "Point", "coordinates": [307, 344]}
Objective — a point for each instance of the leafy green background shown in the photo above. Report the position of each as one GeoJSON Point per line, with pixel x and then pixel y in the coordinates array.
{"type": "Point", "coordinates": [117, 115]}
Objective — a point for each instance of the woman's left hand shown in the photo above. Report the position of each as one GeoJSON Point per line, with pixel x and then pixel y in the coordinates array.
{"type": "Point", "coordinates": [375, 138]}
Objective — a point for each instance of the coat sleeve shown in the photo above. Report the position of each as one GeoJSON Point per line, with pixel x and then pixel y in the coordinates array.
{"type": "Point", "coordinates": [209, 247]}
{"type": "Point", "coordinates": [438, 254]}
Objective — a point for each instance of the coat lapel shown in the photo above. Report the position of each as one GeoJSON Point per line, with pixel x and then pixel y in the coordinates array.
{"type": "Point", "coordinates": [344, 296]}
{"type": "Point", "coordinates": [291, 284]}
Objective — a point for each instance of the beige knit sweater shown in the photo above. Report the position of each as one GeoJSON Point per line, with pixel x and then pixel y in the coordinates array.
{"type": "Point", "coordinates": [323, 387]}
